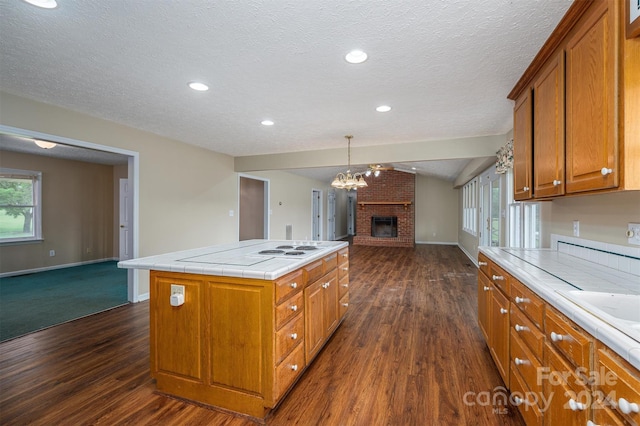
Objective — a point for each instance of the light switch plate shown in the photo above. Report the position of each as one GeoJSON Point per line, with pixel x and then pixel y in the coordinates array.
{"type": "Point", "coordinates": [576, 228]}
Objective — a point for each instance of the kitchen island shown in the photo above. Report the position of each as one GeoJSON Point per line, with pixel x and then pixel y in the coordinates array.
{"type": "Point", "coordinates": [234, 326]}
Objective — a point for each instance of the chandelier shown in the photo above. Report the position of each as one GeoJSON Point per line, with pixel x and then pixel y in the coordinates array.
{"type": "Point", "coordinates": [347, 180]}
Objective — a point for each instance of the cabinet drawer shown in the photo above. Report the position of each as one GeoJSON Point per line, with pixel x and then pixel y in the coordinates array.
{"type": "Point", "coordinates": [525, 400]}
{"type": "Point", "coordinates": [288, 337]}
{"type": "Point", "coordinates": [288, 284]}
{"type": "Point", "coordinates": [484, 264]}
{"type": "Point", "coordinates": [343, 286]}
{"type": "Point", "coordinates": [344, 305]}
{"type": "Point", "coordinates": [313, 271]}
{"type": "Point", "coordinates": [525, 363]}
{"type": "Point", "coordinates": [528, 333]}
{"type": "Point", "coordinates": [288, 370]}
{"type": "Point", "coordinates": [500, 278]}
{"type": "Point", "coordinates": [343, 255]}
{"type": "Point", "coordinates": [569, 339]}
{"type": "Point", "coordinates": [289, 308]}
{"type": "Point", "coordinates": [330, 262]}
{"type": "Point", "coordinates": [343, 270]}
{"type": "Point", "coordinates": [604, 416]}
{"type": "Point", "coordinates": [528, 302]}
{"type": "Point", "coordinates": [626, 384]}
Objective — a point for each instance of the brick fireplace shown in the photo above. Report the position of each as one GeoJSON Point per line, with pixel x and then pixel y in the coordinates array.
{"type": "Point", "coordinates": [388, 205]}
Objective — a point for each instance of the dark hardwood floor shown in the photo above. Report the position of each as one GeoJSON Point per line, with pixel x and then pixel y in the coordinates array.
{"type": "Point", "coordinates": [409, 352]}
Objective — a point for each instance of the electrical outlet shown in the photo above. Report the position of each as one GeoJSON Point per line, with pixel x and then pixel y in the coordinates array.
{"type": "Point", "coordinates": [52, 253]}
{"type": "Point", "coordinates": [177, 289]}
{"type": "Point", "coordinates": [633, 233]}
{"type": "Point", "coordinates": [576, 228]}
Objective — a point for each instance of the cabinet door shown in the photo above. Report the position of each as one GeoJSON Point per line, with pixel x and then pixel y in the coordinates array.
{"type": "Point", "coordinates": [499, 332]}
{"type": "Point", "coordinates": [548, 129]}
{"type": "Point", "coordinates": [522, 146]}
{"type": "Point", "coordinates": [314, 318]}
{"type": "Point", "coordinates": [330, 300]}
{"type": "Point", "coordinates": [591, 79]}
{"type": "Point", "coordinates": [484, 303]}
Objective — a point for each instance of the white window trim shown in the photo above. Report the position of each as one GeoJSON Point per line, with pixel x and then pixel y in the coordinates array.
{"type": "Point", "coordinates": [470, 207]}
{"type": "Point", "coordinates": [37, 203]}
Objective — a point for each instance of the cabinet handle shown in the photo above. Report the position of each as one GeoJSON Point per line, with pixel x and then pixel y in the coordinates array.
{"type": "Point", "coordinates": [293, 285]}
{"type": "Point", "coordinates": [482, 263]}
{"type": "Point", "coordinates": [628, 407]}
{"type": "Point", "coordinates": [557, 182]}
{"type": "Point", "coordinates": [294, 367]}
{"type": "Point", "coordinates": [519, 299]}
{"type": "Point", "coordinates": [485, 288]}
{"type": "Point", "coordinates": [503, 311]}
{"type": "Point", "coordinates": [294, 336]}
{"type": "Point", "coordinates": [605, 171]}
{"type": "Point", "coordinates": [519, 327]}
{"type": "Point", "coordinates": [497, 277]}
{"type": "Point", "coordinates": [556, 337]}
{"type": "Point", "coordinates": [294, 308]}
{"type": "Point", "coordinates": [576, 406]}
{"type": "Point", "coordinates": [518, 361]}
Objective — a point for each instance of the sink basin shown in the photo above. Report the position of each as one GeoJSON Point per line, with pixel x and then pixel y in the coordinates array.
{"type": "Point", "coordinates": [621, 311]}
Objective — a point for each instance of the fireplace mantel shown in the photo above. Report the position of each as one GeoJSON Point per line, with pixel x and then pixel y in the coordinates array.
{"type": "Point", "coordinates": [406, 204]}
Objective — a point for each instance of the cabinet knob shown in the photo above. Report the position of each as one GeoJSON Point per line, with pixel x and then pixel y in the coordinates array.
{"type": "Point", "coordinates": [294, 285]}
{"type": "Point", "coordinates": [518, 361]}
{"type": "Point", "coordinates": [345, 269]}
{"type": "Point", "coordinates": [497, 277]}
{"type": "Point", "coordinates": [556, 337]}
{"type": "Point", "coordinates": [556, 182]}
{"type": "Point", "coordinates": [605, 171]}
{"type": "Point", "coordinates": [294, 367]}
{"type": "Point", "coordinates": [526, 188]}
{"type": "Point", "coordinates": [628, 407]}
{"type": "Point", "coordinates": [294, 336]}
{"type": "Point", "coordinates": [294, 308]}
{"type": "Point", "coordinates": [345, 285]}
{"type": "Point", "coordinates": [576, 406]}
{"type": "Point", "coordinates": [485, 288]}
{"type": "Point", "coordinates": [517, 400]}
{"type": "Point", "coordinates": [345, 255]}
{"type": "Point", "coordinates": [346, 305]}
{"type": "Point", "coordinates": [482, 263]}
{"type": "Point", "coordinates": [590, 423]}
{"type": "Point", "coordinates": [519, 299]}
{"type": "Point", "coordinates": [326, 285]}
{"type": "Point", "coordinates": [519, 327]}
{"type": "Point", "coordinates": [503, 311]}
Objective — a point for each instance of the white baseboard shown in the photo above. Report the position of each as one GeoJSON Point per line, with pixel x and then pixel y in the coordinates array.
{"type": "Point", "coordinates": [54, 267]}
{"type": "Point", "coordinates": [473, 259]}
{"type": "Point", "coordinates": [142, 297]}
{"type": "Point", "coordinates": [442, 243]}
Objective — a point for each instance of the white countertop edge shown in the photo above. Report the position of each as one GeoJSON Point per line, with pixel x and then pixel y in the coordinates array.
{"type": "Point", "coordinates": [619, 342]}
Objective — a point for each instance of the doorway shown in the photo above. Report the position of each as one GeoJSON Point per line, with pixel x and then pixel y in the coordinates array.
{"type": "Point", "coordinates": [331, 216]}
{"type": "Point", "coordinates": [316, 214]}
{"type": "Point", "coordinates": [490, 211]}
{"type": "Point", "coordinates": [253, 208]}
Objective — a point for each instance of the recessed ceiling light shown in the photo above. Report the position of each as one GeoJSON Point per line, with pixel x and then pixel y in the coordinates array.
{"type": "Point", "coordinates": [45, 4]}
{"type": "Point", "coordinates": [266, 123]}
{"type": "Point", "coordinates": [383, 108]}
{"type": "Point", "coordinates": [200, 87]}
{"type": "Point", "coordinates": [356, 57]}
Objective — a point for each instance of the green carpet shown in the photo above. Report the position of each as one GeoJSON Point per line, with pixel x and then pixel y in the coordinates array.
{"type": "Point", "coordinates": [35, 301]}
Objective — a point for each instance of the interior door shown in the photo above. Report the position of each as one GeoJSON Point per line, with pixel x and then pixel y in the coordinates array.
{"type": "Point", "coordinates": [331, 216]}
{"type": "Point", "coordinates": [126, 213]}
{"type": "Point", "coordinates": [252, 209]}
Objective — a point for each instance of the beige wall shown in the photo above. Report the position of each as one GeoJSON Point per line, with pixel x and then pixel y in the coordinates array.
{"type": "Point", "coordinates": [185, 192]}
{"type": "Point", "coordinates": [602, 217]}
{"type": "Point", "coordinates": [290, 204]}
{"type": "Point", "coordinates": [77, 213]}
{"type": "Point", "coordinates": [436, 211]}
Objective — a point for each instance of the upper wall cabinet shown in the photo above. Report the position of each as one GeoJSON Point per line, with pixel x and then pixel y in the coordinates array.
{"type": "Point", "coordinates": [582, 92]}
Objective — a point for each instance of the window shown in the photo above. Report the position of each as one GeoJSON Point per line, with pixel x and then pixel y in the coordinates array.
{"type": "Point", "coordinates": [470, 207]}
{"type": "Point", "coordinates": [20, 209]}
{"type": "Point", "coordinates": [524, 220]}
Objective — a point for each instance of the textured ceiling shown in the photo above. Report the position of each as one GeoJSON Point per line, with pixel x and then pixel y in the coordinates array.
{"type": "Point", "coordinates": [445, 66]}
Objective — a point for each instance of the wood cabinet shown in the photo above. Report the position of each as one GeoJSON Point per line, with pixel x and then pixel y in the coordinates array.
{"type": "Point", "coordinates": [240, 343]}
{"type": "Point", "coordinates": [581, 90]}
{"type": "Point", "coordinates": [618, 387]}
{"type": "Point", "coordinates": [522, 146]}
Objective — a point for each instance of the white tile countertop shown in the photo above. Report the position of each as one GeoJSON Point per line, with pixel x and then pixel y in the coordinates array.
{"type": "Point", "coordinates": [239, 259]}
{"type": "Point", "coordinates": [550, 273]}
